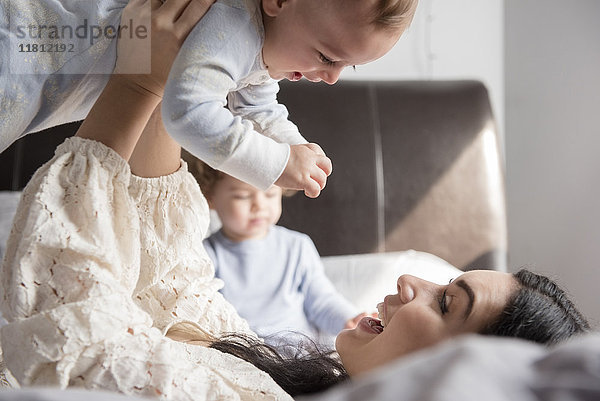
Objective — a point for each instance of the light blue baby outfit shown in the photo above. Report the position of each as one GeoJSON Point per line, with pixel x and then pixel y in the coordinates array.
{"type": "Point", "coordinates": [278, 284]}
{"type": "Point", "coordinates": [219, 102]}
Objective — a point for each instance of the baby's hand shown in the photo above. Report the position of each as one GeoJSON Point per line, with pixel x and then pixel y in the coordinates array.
{"type": "Point", "coordinates": [350, 324]}
{"type": "Point", "coordinates": [169, 24]}
{"type": "Point", "coordinates": [307, 169]}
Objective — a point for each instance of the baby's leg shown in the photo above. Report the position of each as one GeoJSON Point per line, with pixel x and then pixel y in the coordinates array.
{"type": "Point", "coordinates": [55, 58]}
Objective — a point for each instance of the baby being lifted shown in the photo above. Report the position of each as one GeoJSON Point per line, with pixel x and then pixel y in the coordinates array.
{"type": "Point", "coordinates": [220, 101]}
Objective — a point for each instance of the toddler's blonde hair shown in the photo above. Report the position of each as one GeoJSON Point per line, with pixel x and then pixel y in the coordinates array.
{"type": "Point", "coordinates": [206, 176]}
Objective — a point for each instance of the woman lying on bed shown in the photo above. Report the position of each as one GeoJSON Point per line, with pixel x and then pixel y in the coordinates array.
{"type": "Point", "coordinates": [105, 284]}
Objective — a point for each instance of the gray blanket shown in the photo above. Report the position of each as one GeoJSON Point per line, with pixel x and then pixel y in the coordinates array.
{"type": "Point", "coordinates": [476, 368]}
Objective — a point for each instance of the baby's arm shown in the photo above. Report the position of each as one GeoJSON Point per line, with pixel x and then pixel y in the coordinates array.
{"type": "Point", "coordinates": [324, 306]}
{"type": "Point", "coordinates": [258, 103]}
{"type": "Point", "coordinates": [307, 168]}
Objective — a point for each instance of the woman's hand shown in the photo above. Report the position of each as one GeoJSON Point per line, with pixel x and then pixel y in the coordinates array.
{"type": "Point", "coordinates": [170, 23]}
{"type": "Point", "coordinates": [129, 99]}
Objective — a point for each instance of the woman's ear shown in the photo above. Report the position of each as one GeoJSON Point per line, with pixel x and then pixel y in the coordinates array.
{"type": "Point", "coordinates": [272, 7]}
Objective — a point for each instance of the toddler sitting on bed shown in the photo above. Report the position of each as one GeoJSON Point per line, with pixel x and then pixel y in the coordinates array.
{"type": "Point", "coordinates": [273, 276]}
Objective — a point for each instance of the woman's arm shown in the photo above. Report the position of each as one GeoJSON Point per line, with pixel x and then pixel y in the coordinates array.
{"type": "Point", "coordinates": [110, 120]}
{"type": "Point", "coordinates": [156, 153]}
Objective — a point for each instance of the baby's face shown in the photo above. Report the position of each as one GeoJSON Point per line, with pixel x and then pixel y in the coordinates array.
{"type": "Point", "coordinates": [245, 211]}
{"type": "Point", "coordinates": [317, 39]}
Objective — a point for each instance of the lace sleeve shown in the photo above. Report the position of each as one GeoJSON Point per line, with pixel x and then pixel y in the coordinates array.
{"type": "Point", "coordinates": [68, 280]}
{"type": "Point", "coordinates": [177, 282]}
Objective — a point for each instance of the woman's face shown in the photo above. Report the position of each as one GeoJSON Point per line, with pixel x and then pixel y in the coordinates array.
{"type": "Point", "coordinates": [422, 314]}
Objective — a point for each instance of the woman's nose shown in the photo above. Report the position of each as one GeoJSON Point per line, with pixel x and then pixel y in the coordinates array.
{"type": "Point", "coordinates": [410, 286]}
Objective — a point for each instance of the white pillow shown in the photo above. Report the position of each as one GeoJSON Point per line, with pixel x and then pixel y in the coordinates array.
{"type": "Point", "coordinates": [366, 279]}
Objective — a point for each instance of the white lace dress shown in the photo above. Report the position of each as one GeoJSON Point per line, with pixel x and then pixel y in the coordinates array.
{"type": "Point", "coordinates": [99, 265]}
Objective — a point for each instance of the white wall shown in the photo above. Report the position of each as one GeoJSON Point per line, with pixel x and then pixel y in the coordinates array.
{"type": "Point", "coordinates": [553, 142]}
{"type": "Point", "coordinates": [449, 39]}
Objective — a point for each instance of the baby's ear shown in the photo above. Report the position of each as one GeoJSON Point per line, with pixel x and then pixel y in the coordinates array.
{"type": "Point", "coordinates": [272, 7]}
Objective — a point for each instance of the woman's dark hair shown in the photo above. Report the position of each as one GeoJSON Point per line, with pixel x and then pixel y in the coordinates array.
{"type": "Point", "coordinates": [539, 311]}
{"type": "Point", "coordinates": [298, 369]}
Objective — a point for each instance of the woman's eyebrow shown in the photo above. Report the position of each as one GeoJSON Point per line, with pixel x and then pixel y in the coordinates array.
{"type": "Point", "coordinates": [463, 284]}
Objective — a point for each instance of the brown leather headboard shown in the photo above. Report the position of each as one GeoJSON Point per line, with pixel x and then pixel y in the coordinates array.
{"type": "Point", "coordinates": [416, 165]}
{"type": "Point", "coordinates": [25, 156]}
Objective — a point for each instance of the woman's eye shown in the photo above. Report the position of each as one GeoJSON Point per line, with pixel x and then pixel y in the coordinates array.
{"type": "Point", "coordinates": [325, 60]}
{"type": "Point", "coordinates": [241, 197]}
{"type": "Point", "coordinates": [443, 303]}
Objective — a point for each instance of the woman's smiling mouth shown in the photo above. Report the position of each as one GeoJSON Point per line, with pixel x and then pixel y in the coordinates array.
{"type": "Point", "coordinates": [370, 324]}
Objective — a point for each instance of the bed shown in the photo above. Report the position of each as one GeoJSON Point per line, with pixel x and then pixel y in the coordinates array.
{"type": "Point", "coordinates": [418, 188]}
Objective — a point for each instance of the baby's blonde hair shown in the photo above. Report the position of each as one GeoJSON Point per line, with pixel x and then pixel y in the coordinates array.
{"type": "Point", "coordinates": [394, 14]}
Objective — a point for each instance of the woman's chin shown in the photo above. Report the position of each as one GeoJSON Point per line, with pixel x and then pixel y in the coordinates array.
{"type": "Point", "coordinates": [349, 341]}
{"type": "Point", "coordinates": [352, 356]}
